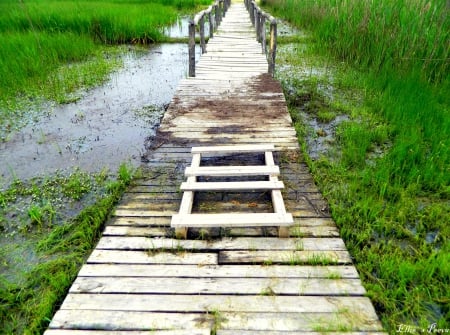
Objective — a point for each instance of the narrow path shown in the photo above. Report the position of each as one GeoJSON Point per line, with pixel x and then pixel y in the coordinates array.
{"type": "Point", "coordinates": [220, 281]}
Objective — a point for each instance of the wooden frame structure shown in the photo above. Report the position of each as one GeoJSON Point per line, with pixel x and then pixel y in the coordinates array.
{"type": "Point", "coordinates": [185, 218]}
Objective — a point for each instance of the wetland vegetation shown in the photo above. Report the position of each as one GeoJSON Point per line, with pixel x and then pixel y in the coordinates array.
{"type": "Point", "coordinates": [369, 83]}
{"type": "Point", "coordinates": [50, 49]}
{"type": "Point", "coordinates": [369, 94]}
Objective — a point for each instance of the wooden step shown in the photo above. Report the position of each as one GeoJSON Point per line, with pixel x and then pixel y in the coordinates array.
{"type": "Point", "coordinates": [232, 186]}
{"type": "Point", "coordinates": [232, 220]}
{"type": "Point", "coordinates": [217, 171]}
{"type": "Point", "coordinates": [233, 149]}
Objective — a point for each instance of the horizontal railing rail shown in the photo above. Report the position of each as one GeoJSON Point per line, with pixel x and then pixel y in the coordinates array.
{"type": "Point", "coordinates": [213, 14]}
{"type": "Point", "coordinates": [259, 19]}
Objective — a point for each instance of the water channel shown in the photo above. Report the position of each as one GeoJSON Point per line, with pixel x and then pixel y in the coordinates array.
{"type": "Point", "coordinates": [108, 125]}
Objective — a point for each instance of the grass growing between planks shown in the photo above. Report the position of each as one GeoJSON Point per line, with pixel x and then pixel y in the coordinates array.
{"type": "Point", "coordinates": [375, 128]}
{"type": "Point", "coordinates": [42, 247]}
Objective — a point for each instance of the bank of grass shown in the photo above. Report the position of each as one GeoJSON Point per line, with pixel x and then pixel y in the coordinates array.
{"type": "Point", "coordinates": [42, 247]}
{"type": "Point", "coordinates": [387, 173]}
{"type": "Point", "coordinates": [38, 37]}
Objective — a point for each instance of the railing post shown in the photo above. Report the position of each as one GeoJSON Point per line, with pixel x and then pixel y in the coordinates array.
{"type": "Point", "coordinates": [220, 10]}
{"type": "Point", "coordinates": [252, 12]}
{"type": "Point", "coordinates": [191, 48]}
{"type": "Point", "coordinates": [263, 34]}
{"type": "Point", "coordinates": [217, 13]}
{"type": "Point", "coordinates": [211, 24]}
{"type": "Point", "coordinates": [257, 23]}
{"type": "Point", "coordinates": [227, 5]}
{"type": "Point", "coordinates": [273, 46]}
{"type": "Point", "coordinates": [202, 34]}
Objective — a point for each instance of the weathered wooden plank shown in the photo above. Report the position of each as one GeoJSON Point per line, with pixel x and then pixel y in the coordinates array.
{"type": "Point", "coordinates": [117, 320]}
{"type": "Point", "coordinates": [222, 303]}
{"type": "Point", "coordinates": [134, 231]}
{"type": "Point", "coordinates": [114, 320]}
{"type": "Point", "coordinates": [141, 221]}
{"type": "Point", "coordinates": [221, 271]}
{"type": "Point", "coordinates": [233, 286]}
{"type": "Point", "coordinates": [143, 257]}
{"type": "Point", "coordinates": [154, 206]}
{"type": "Point", "coordinates": [284, 257]}
{"type": "Point", "coordinates": [239, 243]}
{"type": "Point", "coordinates": [265, 332]}
{"type": "Point", "coordinates": [161, 230]}
{"type": "Point", "coordinates": [141, 213]}
{"type": "Point", "coordinates": [308, 231]}
{"type": "Point", "coordinates": [127, 332]}
{"type": "Point", "coordinates": [299, 322]}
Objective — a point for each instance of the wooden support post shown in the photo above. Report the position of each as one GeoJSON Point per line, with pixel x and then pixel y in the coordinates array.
{"type": "Point", "coordinates": [188, 199]}
{"type": "Point", "coordinates": [225, 7]}
{"type": "Point", "coordinates": [202, 34]}
{"type": "Point", "coordinates": [220, 11]}
{"type": "Point", "coordinates": [252, 12]}
{"type": "Point", "coordinates": [217, 14]}
{"type": "Point", "coordinates": [191, 48]}
{"type": "Point", "coordinates": [263, 34]}
{"type": "Point", "coordinates": [211, 24]}
{"type": "Point", "coordinates": [273, 46]}
{"type": "Point", "coordinates": [257, 24]}
{"type": "Point", "coordinates": [277, 197]}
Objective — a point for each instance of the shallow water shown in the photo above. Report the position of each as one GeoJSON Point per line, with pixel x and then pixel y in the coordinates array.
{"type": "Point", "coordinates": [104, 128]}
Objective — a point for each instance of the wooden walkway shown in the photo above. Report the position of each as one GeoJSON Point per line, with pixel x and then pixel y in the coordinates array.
{"type": "Point", "coordinates": [236, 281]}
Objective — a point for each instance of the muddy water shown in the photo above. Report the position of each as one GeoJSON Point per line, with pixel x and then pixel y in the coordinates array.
{"type": "Point", "coordinates": [107, 126]}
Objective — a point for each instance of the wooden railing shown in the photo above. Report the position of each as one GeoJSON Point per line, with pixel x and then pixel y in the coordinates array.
{"type": "Point", "coordinates": [213, 14]}
{"type": "Point", "coordinates": [259, 18]}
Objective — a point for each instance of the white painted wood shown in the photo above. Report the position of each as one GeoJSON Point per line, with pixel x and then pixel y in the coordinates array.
{"type": "Point", "coordinates": [232, 171]}
{"type": "Point", "coordinates": [231, 186]}
{"type": "Point", "coordinates": [232, 220]}
{"type": "Point", "coordinates": [188, 198]}
{"type": "Point", "coordinates": [233, 149]}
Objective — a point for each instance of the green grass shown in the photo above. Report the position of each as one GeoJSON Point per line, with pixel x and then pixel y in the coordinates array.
{"type": "Point", "coordinates": [386, 175]}
{"type": "Point", "coordinates": [43, 248]}
{"type": "Point", "coordinates": [402, 35]}
{"type": "Point", "coordinates": [38, 38]}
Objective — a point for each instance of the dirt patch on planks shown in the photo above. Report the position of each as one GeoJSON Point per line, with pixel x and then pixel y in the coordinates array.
{"type": "Point", "coordinates": [264, 83]}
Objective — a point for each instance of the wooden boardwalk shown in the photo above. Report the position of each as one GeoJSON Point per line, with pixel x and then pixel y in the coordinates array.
{"type": "Point", "coordinates": [235, 281]}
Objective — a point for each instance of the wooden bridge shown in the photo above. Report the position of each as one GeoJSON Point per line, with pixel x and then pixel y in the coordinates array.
{"type": "Point", "coordinates": [235, 280]}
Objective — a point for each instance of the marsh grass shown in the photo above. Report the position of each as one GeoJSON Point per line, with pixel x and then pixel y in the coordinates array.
{"type": "Point", "coordinates": [39, 263]}
{"type": "Point", "coordinates": [38, 38]}
{"type": "Point", "coordinates": [401, 35]}
{"type": "Point", "coordinates": [388, 184]}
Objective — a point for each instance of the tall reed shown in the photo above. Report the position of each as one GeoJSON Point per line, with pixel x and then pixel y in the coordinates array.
{"type": "Point", "coordinates": [38, 36]}
{"type": "Point", "coordinates": [389, 191]}
{"type": "Point", "coordinates": [399, 35]}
